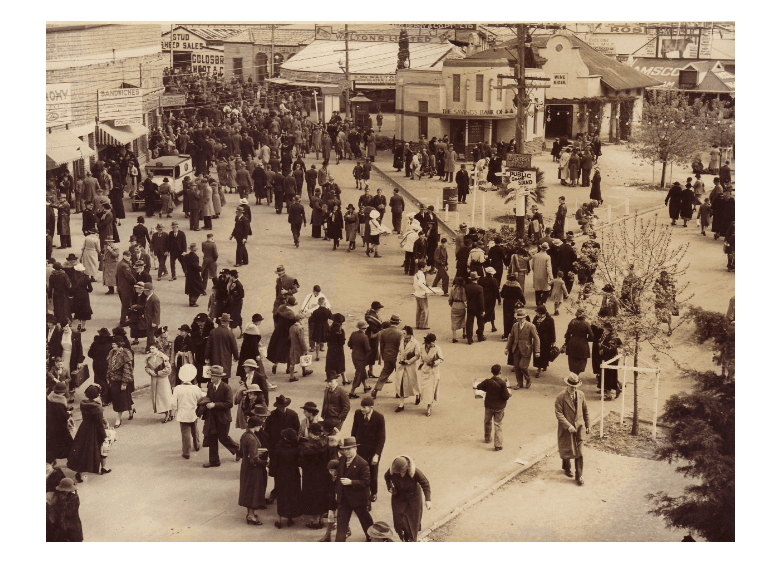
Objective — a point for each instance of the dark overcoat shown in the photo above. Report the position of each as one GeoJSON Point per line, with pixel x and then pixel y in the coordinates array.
{"type": "Point", "coordinates": [313, 457]}
{"type": "Point", "coordinates": [253, 478]}
{"type": "Point", "coordinates": [287, 479]}
{"type": "Point", "coordinates": [84, 454]}
{"type": "Point", "coordinates": [58, 438]}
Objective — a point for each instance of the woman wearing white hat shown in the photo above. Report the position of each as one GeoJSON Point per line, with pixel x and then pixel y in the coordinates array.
{"type": "Point", "coordinates": [374, 229]}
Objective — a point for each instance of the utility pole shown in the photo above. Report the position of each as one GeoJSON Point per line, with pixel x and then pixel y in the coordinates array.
{"type": "Point", "coordinates": [349, 84]}
{"type": "Point", "coordinates": [520, 73]}
{"type": "Point", "coordinates": [273, 54]}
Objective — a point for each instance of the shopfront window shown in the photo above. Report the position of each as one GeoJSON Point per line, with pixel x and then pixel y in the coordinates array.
{"type": "Point", "coordinates": [499, 90]}
{"type": "Point", "coordinates": [238, 66]}
{"type": "Point", "coordinates": [456, 87]}
{"type": "Point", "coordinates": [478, 92]}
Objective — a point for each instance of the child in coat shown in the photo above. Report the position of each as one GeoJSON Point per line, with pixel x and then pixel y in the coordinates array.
{"type": "Point", "coordinates": [319, 327]}
{"type": "Point", "coordinates": [106, 446]}
{"type": "Point", "coordinates": [357, 172]}
{"type": "Point", "coordinates": [705, 213]}
{"type": "Point", "coordinates": [558, 292]}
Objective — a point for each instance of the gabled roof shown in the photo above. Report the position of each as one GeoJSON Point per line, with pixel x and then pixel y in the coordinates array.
{"type": "Point", "coordinates": [282, 37]}
{"type": "Point", "coordinates": [614, 74]}
{"type": "Point", "coordinates": [210, 34]}
{"type": "Point", "coordinates": [713, 78]}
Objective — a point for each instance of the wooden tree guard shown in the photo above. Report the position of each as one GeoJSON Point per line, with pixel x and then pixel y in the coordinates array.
{"type": "Point", "coordinates": [613, 364]}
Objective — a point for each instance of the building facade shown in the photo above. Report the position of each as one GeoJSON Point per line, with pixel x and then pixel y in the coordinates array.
{"type": "Point", "coordinates": [250, 54]}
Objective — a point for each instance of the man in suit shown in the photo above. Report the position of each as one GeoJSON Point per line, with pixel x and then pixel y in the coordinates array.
{"type": "Point", "coordinates": [210, 257]}
{"type": "Point", "coordinates": [572, 413]}
{"type": "Point", "coordinates": [522, 342]}
{"type": "Point", "coordinates": [125, 281]}
{"type": "Point", "coordinates": [462, 181]}
{"type": "Point", "coordinates": [567, 255]}
{"type": "Point", "coordinates": [475, 308]}
{"type": "Point", "coordinates": [241, 232]}
{"type": "Point", "coordinates": [368, 429]}
{"type": "Point", "coordinates": [177, 245]}
{"type": "Point", "coordinates": [286, 282]}
{"type": "Point", "coordinates": [389, 344]}
{"type": "Point", "coordinates": [159, 246]}
{"type": "Point", "coordinates": [361, 350]}
{"type": "Point", "coordinates": [296, 218]}
{"type": "Point", "coordinates": [88, 219]}
{"type": "Point", "coordinates": [352, 487]}
{"type": "Point", "coordinates": [221, 347]}
{"type": "Point", "coordinates": [335, 403]}
{"type": "Point", "coordinates": [496, 396]}
{"type": "Point", "coordinates": [105, 225]}
{"type": "Point", "coordinates": [397, 205]}
{"type": "Point", "coordinates": [217, 417]}
{"type": "Point", "coordinates": [559, 226]}
{"type": "Point", "coordinates": [151, 314]}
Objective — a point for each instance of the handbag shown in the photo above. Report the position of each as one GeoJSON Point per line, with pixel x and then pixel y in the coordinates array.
{"type": "Point", "coordinates": [80, 376]}
{"type": "Point", "coordinates": [305, 360]}
{"type": "Point", "coordinates": [554, 353]}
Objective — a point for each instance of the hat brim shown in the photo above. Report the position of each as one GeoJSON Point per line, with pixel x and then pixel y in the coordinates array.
{"type": "Point", "coordinates": [565, 379]}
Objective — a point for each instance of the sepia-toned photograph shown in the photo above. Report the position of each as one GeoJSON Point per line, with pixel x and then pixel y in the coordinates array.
{"type": "Point", "coordinates": [392, 281]}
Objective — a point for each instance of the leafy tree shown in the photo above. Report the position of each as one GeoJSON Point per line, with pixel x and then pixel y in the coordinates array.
{"type": "Point", "coordinates": [671, 130]}
{"type": "Point", "coordinates": [702, 434]}
{"type": "Point", "coordinates": [633, 260]}
{"type": "Point", "coordinates": [537, 195]}
{"type": "Point", "coordinates": [403, 49]}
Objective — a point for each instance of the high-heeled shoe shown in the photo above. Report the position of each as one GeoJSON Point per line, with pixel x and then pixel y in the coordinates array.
{"type": "Point", "coordinates": [132, 413]}
{"type": "Point", "coordinates": [117, 423]}
{"type": "Point", "coordinates": [79, 478]}
{"type": "Point", "coordinates": [250, 521]}
{"type": "Point", "coordinates": [104, 470]}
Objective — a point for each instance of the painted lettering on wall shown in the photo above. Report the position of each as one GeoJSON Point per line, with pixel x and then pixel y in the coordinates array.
{"type": "Point", "coordinates": [560, 80]}
{"type": "Point", "coordinates": [58, 104]}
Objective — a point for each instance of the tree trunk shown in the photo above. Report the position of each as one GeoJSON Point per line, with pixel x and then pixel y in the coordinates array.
{"type": "Point", "coordinates": [635, 420]}
{"type": "Point", "coordinates": [663, 174]}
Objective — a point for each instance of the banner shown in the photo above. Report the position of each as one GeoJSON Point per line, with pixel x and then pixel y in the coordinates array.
{"type": "Point", "coordinates": [58, 104]}
{"type": "Point", "coordinates": [119, 103]}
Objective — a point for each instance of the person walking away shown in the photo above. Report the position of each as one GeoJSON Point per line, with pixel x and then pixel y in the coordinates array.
{"type": "Point", "coordinates": [541, 267]}
{"type": "Point", "coordinates": [576, 339]}
{"type": "Point", "coordinates": [297, 348]}
{"type": "Point", "coordinates": [586, 165]}
{"type": "Point", "coordinates": [193, 274]}
{"type": "Point", "coordinates": [253, 478]}
{"type": "Point", "coordinates": [512, 295]}
{"type": "Point", "coordinates": [397, 206]}
{"type": "Point", "coordinates": [241, 232]}
{"type": "Point", "coordinates": [217, 417]}
{"type": "Point", "coordinates": [210, 257]}
{"type": "Point", "coordinates": [352, 489]}
{"type": "Point", "coordinates": [571, 410]}
{"type": "Point", "coordinates": [284, 467]}
{"type": "Point", "coordinates": [496, 396]}
{"type": "Point", "coordinates": [674, 201]}
{"type": "Point", "coordinates": [389, 340]}
{"type": "Point", "coordinates": [522, 343]}
{"type": "Point", "coordinates": [84, 455]}
{"type": "Point", "coordinates": [475, 308]}
{"type": "Point", "coordinates": [491, 294]}
{"type": "Point", "coordinates": [558, 293]}
{"type": "Point", "coordinates": [545, 329]}
{"type": "Point", "coordinates": [296, 218]}
{"type": "Point", "coordinates": [185, 402]}
{"type": "Point", "coordinates": [63, 221]}
{"type": "Point", "coordinates": [687, 204]}
{"type": "Point", "coordinates": [705, 215]}
{"type": "Point", "coordinates": [407, 485]}
{"type": "Point", "coordinates": [361, 350]}
{"type": "Point", "coordinates": [81, 287]}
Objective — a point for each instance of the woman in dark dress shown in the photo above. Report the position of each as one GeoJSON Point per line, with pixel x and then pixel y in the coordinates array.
{"type": "Point", "coordinates": [313, 458]}
{"type": "Point", "coordinates": [316, 213]}
{"type": "Point", "coordinates": [494, 168]}
{"type": "Point", "coordinates": [287, 477]}
{"type": "Point", "coordinates": [595, 187]}
{"type": "Point", "coordinates": [334, 359]}
{"type": "Point", "coordinates": [512, 293]}
{"type": "Point", "coordinates": [279, 345]}
{"type": "Point", "coordinates": [577, 338]}
{"type": "Point", "coordinates": [250, 346]}
{"type": "Point", "coordinates": [84, 455]}
{"type": "Point", "coordinates": [545, 328]}
{"type": "Point", "coordinates": [318, 328]}
{"type": "Point", "coordinates": [63, 523]}
{"type": "Point", "coordinates": [490, 287]}
{"type": "Point", "coordinates": [335, 225]}
{"type": "Point", "coordinates": [253, 478]}
{"type": "Point", "coordinates": [98, 352]}
{"type": "Point", "coordinates": [200, 329]}
{"type": "Point", "coordinates": [136, 318]}
{"type": "Point", "coordinates": [674, 200]}
{"type": "Point", "coordinates": [407, 484]}
{"type": "Point", "coordinates": [495, 258]}
{"type": "Point", "coordinates": [687, 202]}
{"type": "Point", "coordinates": [58, 422]}
{"type": "Point", "coordinates": [80, 289]}
{"type": "Point", "coordinates": [120, 379]}
{"type": "Point", "coordinates": [115, 195]}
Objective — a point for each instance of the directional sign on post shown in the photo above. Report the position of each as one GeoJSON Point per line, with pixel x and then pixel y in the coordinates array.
{"type": "Point", "coordinates": [524, 182]}
{"type": "Point", "coordinates": [518, 161]}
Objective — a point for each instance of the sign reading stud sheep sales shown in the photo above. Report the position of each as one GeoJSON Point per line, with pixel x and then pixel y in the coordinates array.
{"type": "Point", "coordinates": [58, 104]}
{"type": "Point", "coordinates": [523, 181]}
{"type": "Point", "coordinates": [120, 103]}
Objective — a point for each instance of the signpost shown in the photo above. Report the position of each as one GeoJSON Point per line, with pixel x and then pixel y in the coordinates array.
{"type": "Point", "coordinates": [523, 180]}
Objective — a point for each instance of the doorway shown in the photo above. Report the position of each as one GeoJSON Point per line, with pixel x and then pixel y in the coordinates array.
{"type": "Point", "coordinates": [458, 135]}
{"type": "Point", "coordinates": [560, 119]}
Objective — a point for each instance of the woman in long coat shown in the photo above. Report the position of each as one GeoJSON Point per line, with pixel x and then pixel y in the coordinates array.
{"type": "Point", "coordinates": [406, 373]}
{"type": "Point", "coordinates": [287, 477]}
{"type": "Point", "coordinates": [457, 302]}
{"type": "Point", "coordinates": [489, 286]}
{"type": "Point", "coordinates": [98, 352]}
{"type": "Point", "coordinates": [115, 195]}
{"type": "Point", "coordinates": [545, 328]}
{"type": "Point", "coordinates": [253, 478]}
{"type": "Point", "coordinates": [450, 157]}
{"type": "Point", "coordinates": [687, 203]}
{"type": "Point", "coordinates": [563, 166]}
{"type": "Point", "coordinates": [279, 345]}
{"type": "Point", "coordinates": [59, 291]}
{"type": "Point", "coordinates": [166, 199]}
{"type": "Point", "coordinates": [351, 224]}
{"type": "Point", "coordinates": [430, 358]}
{"type": "Point", "coordinates": [63, 523]}
{"type": "Point", "coordinates": [674, 200]}
{"type": "Point", "coordinates": [512, 293]}
{"type": "Point", "coordinates": [216, 198]}
{"type": "Point", "coordinates": [336, 338]}
{"type": "Point", "coordinates": [80, 288]}
{"type": "Point", "coordinates": [609, 344]}
{"type": "Point", "coordinates": [335, 225]}
{"type": "Point", "coordinates": [595, 187]}
{"type": "Point", "coordinates": [110, 261]}
{"type": "Point", "coordinates": [158, 367]}
{"type": "Point", "coordinates": [371, 146]}
{"type": "Point", "coordinates": [577, 338]}
{"type": "Point", "coordinates": [313, 456]}
{"type": "Point", "coordinates": [207, 199]}
{"type": "Point", "coordinates": [84, 455]}
{"type": "Point", "coordinates": [89, 254]}
{"type": "Point", "coordinates": [120, 379]}
{"type": "Point", "coordinates": [231, 174]}
{"type": "Point", "coordinates": [58, 439]}
{"type": "Point", "coordinates": [317, 217]}
{"type": "Point", "coordinates": [407, 484]}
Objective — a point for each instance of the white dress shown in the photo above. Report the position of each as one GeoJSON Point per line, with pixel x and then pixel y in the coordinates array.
{"type": "Point", "coordinates": [158, 367]}
{"type": "Point", "coordinates": [429, 375]}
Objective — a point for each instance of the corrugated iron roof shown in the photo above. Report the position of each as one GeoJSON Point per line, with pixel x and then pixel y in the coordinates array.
{"type": "Point", "coordinates": [212, 34]}
{"type": "Point", "coordinates": [614, 74]}
{"type": "Point", "coordinates": [282, 37]}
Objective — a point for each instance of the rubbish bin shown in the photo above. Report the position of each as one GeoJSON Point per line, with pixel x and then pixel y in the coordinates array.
{"type": "Point", "coordinates": [449, 198]}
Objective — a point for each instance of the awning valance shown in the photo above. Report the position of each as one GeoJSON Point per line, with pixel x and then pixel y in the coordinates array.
{"type": "Point", "coordinates": [110, 135]}
{"type": "Point", "coordinates": [64, 146]}
{"type": "Point", "coordinates": [82, 130]}
{"type": "Point", "coordinates": [286, 82]}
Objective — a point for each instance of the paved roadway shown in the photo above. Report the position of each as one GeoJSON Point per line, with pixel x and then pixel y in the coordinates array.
{"type": "Point", "coordinates": [154, 494]}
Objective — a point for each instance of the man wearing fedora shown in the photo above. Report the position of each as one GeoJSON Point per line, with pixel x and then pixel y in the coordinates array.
{"type": "Point", "coordinates": [368, 429]}
{"type": "Point", "coordinates": [462, 181]}
{"type": "Point", "coordinates": [177, 245]}
{"type": "Point", "coordinates": [286, 282]}
{"type": "Point", "coordinates": [523, 341]}
{"type": "Point", "coordinates": [335, 403]}
{"type": "Point", "coordinates": [496, 396]}
{"type": "Point", "coordinates": [151, 314]}
{"type": "Point", "coordinates": [352, 488]}
{"type": "Point", "coordinates": [571, 409]}
{"type": "Point", "coordinates": [241, 232]}
{"type": "Point", "coordinates": [567, 255]}
{"type": "Point", "coordinates": [217, 417]}
{"type": "Point", "coordinates": [397, 205]}
{"type": "Point", "coordinates": [159, 247]}
{"type": "Point", "coordinates": [185, 402]}
{"type": "Point", "coordinates": [389, 344]}
{"type": "Point", "coordinates": [280, 419]}
{"type": "Point", "coordinates": [361, 349]}
{"type": "Point", "coordinates": [125, 281]}
{"type": "Point", "coordinates": [460, 236]}
{"type": "Point", "coordinates": [475, 308]}
{"type": "Point", "coordinates": [381, 532]}
{"type": "Point", "coordinates": [221, 347]}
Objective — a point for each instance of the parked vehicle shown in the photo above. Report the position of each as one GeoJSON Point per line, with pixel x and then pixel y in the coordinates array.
{"type": "Point", "coordinates": [175, 168]}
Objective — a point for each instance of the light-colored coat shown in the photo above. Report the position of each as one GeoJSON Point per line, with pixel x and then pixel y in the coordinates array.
{"type": "Point", "coordinates": [297, 343]}
{"type": "Point", "coordinates": [569, 444]}
{"type": "Point", "coordinates": [110, 262]}
{"type": "Point", "coordinates": [207, 204]}
{"type": "Point", "coordinates": [450, 156]}
{"type": "Point", "coordinates": [541, 266]}
{"type": "Point", "coordinates": [89, 254]}
{"type": "Point", "coordinates": [563, 165]}
{"type": "Point", "coordinates": [406, 375]}
{"type": "Point", "coordinates": [216, 199]}
{"type": "Point", "coordinates": [429, 375]}
{"type": "Point", "coordinates": [158, 368]}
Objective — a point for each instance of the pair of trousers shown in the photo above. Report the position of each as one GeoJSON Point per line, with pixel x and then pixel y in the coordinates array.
{"type": "Point", "coordinates": [368, 456]}
{"type": "Point", "coordinates": [521, 363]}
{"type": "Point", "coordinates": [65, 240]}
{"type": "Point", "coordinates": [568, 281]}
{"type": "Point", "coordinates": [422, 313]}
{"type": "Point", "coordinates": [242, 256]}
{"type": "Point", "coordinates": [541, 297]}
{"type": "Point", "coordinates": [448, 176]}
{"type": "Point", "coordinates": [397, 221]}
{"type": "Point", "coordinates": [493, 420]}
{"type": "Point", "coordinates": [360, 377]}
{"type": "Point", "coordinates": [206, 222]}
{"type": "Point", "coordinates": [174, 259]}
{"type": "Point", "coordinates": [566, 465]}
{"type": "Point", "coordinates": [221, 437]}
{"type": "Point", "coordinates": [441, 274]}
{"type": "Point", "coordinates": [296, 232]}
{"type": "Point", "coordinates": [345, 514]}
{"type": "Point", "coordinates": [189, 436]}
{"type": "Point", "coordinates": [161, 267]}
{"type": "Point", "coordinates": [409, 267]}
{"type": "Point", "coordinates": [388, 367]}
{"type": "Point", "coordinates": [126, 301]}
{"type": "Point", "coordinates": [586, 177]}
{"type": "Point", "coordinates": [462, 195]}
{"type": "Point", "coordinates": [150, 337]}
{"type": "Point", "coordinates": [471, 315]}
{"type": "Point", "coordinates": [194, 219]}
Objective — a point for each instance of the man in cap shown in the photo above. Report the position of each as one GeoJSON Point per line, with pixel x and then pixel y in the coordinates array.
{"type": "Point", "coordinates": [571, 410]}
{"type": "Point", "coordinates": [368, 429]}
{"type": "Point", "coordinates": [335, 403]}
{"type": "Point", "coordinates": [185, 402]}
{"type": "Point", "coordinates": [151, 314]}
{"type": "Point", "coordinates": [221, 347]}
{"type": "Point", "coordinates": [296, 218]}
{"type": "Point", "coordinates": [462, 181]}
{"type": "Point", "coordinates": [218, 417]}
{"type": "Point", "coordinates": [210, 257]}
{"type": "Point", "coordinates": [475, 308]}
{"type": "Point", "coordinates": [496, 396]}
{"type": "Point", "coordinates": [374, 327]}
{"type": "Point", "coordinates": [397, 206]}
{"type": "Point", "coordinates": [352, 490]}
{"type": "Point", "coordinates": [361, 350]}
{"type": "Point", "coordinates": [125, 281]}
{"type": "Point", "coordinates": [160, 248]}
{"type": "Point", "coordinates": [177, 245]}
{"type": "Point", "coordinates": [241, 232]}
{"type": "Point", "coordinates": [523, 341]}
{"type": "Point", "coordinates": [389, 345]}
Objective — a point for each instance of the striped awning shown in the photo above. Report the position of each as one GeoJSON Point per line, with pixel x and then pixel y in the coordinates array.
{"type": "Point", "coordinates": [63, 147]}
{"type": "Point", "coordinates": [109, 135]}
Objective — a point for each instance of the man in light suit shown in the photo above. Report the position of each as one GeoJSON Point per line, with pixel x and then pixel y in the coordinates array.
{"type": "Point", "coordinates": [352, 486]}
{"type": "Point", "coordinates": [519, 344]}
{"type": "Point", "coordinates": [151, 314]}
{"type": "Point", "coordinates": [572, 413]}
{"type": "Point", "coordinates": [217, 418]}
{"type": "Point", "coordinates": [368, 429]}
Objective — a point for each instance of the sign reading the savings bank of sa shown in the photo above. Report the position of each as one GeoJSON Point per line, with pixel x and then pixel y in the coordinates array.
{"type": "Point", "coordinates": [120, 104]}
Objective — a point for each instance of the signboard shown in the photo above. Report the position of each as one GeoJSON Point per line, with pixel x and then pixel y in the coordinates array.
{"type": "Point", "coordinates": [477, 112]}
{"type": "Point", "coordinates": [119, 103]}
{"type": "Point", "coordinates": [58, 104]}
{"type": "Point", "coordinates": [559, 80]}
{"type": "Point", "coordinates": [603, 45]}
{"type": "Point", "coordinates": [131, 121]}
{"type": "Point", "coordinates": [171, 100]}
{"type": "Point", "coordinates": [212, 62]}
{"type": "Point", "coordinates": [416, 35]}
{"type": "Point", "coordinates": [518, 161]}
{"type": "Point", "coordinates": [152, 100]}
{"type": "Point", "coordinates": [467, 26]}
{"type": "Point", "coordinates": [523, 181]}
{"type": "Point", "coordinates": [182, 40]}
{"type": "Point", "coordinates": [606, 27]}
